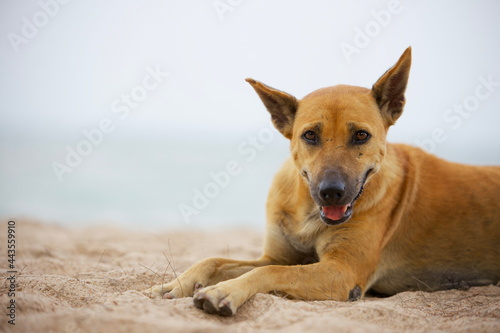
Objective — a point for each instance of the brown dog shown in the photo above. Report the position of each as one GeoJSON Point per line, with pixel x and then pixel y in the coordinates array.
{"type": "Point", "coordinates": [368, 214]}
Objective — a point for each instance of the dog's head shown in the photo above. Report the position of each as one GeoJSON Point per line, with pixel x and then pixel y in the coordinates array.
{"type": "Point", "coordinates": [337, 135]}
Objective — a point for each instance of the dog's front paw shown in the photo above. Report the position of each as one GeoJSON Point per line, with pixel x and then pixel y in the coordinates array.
{"type": "Point", "coordinates": [222, 299]}
{"type": "Point", "coordinates": [174, 289]}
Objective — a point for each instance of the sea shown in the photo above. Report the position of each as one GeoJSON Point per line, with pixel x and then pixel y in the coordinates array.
{"type": "Point", "coordinates": [153, 184]}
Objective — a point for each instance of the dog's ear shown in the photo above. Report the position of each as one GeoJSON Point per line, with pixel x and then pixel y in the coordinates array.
{"type": "Point", "coordinates": [389, 90]}
{"type": "Point", "coordinates": [280, 105]}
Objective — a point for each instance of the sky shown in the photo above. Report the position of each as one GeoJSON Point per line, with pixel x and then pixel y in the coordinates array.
{"type": "Point", "coordinates": [146, 100]}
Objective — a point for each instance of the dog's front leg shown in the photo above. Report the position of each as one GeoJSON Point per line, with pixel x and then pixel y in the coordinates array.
{"type": "Point", "coordinates": [348, 257]}
{"type": "Point", "coordinates": [205, 273]}
{"type": "Point", "coordinates": [319, 281]}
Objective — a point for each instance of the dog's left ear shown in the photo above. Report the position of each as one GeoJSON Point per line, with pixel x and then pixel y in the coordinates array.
{"type": "Point", "coordinates": [389, 90]}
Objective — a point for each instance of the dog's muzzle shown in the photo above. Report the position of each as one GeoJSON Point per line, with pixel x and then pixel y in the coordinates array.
{"type": "Point", "coordinates": [335, 201]}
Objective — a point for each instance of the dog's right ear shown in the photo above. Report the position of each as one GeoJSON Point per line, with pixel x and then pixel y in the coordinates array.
{"type": "Point", "coordinates": [280, 105]}
{"type": "Point", "coordinates": [389, 90]}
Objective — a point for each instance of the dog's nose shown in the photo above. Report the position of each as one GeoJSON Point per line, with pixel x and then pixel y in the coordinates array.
{"type": "Point", "coordinates": [331, 191]}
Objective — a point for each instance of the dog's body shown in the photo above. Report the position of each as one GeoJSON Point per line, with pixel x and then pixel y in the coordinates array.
{"type": "Point", "coordinates": [349, 212]}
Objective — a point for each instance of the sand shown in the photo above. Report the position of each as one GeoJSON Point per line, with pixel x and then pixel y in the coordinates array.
{"type": "Point", "coordinates": [89, 280]}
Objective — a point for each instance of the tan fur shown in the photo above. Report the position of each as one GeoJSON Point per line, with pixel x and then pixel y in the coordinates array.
{"type": "Point", "coordinates": [420, 222]}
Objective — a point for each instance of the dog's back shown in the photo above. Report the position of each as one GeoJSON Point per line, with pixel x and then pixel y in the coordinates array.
{"type": "Point", "coordinates": [449, 231]}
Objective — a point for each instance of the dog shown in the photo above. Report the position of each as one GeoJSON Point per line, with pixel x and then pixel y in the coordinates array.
{"type": "Point", "coordinates": [349, 212]}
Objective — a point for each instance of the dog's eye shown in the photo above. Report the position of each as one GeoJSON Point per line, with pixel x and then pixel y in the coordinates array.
{"type": "Point", "coordinates": [361, 137]}
{"type": "Point", "coordinates": [310, 136]}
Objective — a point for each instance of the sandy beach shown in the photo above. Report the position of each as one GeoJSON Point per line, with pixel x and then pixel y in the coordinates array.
{"type": "Point", "coordinates": [73, 279]}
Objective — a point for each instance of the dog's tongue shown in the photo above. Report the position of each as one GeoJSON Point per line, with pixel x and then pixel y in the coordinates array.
{"type": "Point", "coordinates": [334, 212]}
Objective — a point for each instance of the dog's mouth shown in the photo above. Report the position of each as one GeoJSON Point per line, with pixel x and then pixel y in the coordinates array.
{"type": "Point", "coordinates": [335, 215]}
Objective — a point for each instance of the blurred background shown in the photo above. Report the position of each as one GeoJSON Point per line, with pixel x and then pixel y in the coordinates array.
{"type": "Point", "coordinates": [137, 112]}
